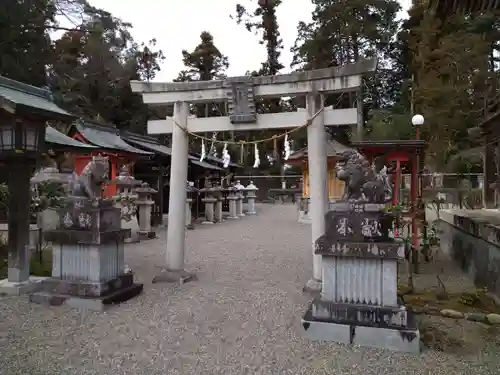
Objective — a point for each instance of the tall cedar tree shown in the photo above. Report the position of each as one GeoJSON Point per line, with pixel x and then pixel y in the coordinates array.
{"type": "Point", "coordinates": [454, 77]}
{"type": "Point", "coordinates": [344, 31]}
{"type": "Point", "coordinates": [205, 63]}
{"type": "Point", "coordinates": [263, 21]}
{"type": "Point", "coordinates": [93, 67]}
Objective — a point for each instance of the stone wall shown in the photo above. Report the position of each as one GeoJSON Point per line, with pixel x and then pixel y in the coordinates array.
{"type": "Point", "coordinates": [470, 238]}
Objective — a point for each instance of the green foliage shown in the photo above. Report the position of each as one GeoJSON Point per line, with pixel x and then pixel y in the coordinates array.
{"type": "Point", "coordinates": [50, 195]}
{"type": "Point", "coordinates": [263, 21]}
{"type": "Point", "coordinates": [454, 73]}
{"type": "Point", "coordinates": [386, 124]}
{"type": "Point", "coordinates": [88, 68]}
{"type": "Point", "coordinates": [41, 263]}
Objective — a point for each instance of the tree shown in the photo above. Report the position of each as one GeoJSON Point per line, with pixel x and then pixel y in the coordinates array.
{"type": "Point", "coordinates": [453, 73]}
{"type": "Point", "coordinates": [205, 63]}
{"type": "Point", "coordinates": [92, 68]}
{"type": "Point", "coordinates": [25, 49]}
{"type": "Point", "coordinates": [345, 31]}
{"type": "Point", "coordinates": [264, 22]}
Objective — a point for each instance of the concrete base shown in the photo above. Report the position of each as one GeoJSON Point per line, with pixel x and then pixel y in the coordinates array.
{"type": "Point", "coordinates": [313, 287]}
{"type": "Point", "coordinates": [88, 303]}
{"type": "Point", "coordinates": [404, 339]}
{"type": "Point", "coordinates": [147, 235]}
{"type": "Point", "coordinates": [190, 227]}
{"type": "Point", "coordinates": [174, 276]}
{"type": "Point", "coordinates": [87, 295]}
{"type": "Point", "coordinates": [304, 217]}
{"type": "Point", "coordinates": [206, 222]}
{"type": "Point", "coordinates": [8, 288]}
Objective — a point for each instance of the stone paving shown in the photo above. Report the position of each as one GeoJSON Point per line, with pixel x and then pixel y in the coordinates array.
{"type": "Point", "coordinates": [242, 316]}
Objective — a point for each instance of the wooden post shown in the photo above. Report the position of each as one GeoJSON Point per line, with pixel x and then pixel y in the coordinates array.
{"type": "Point", "coordinates": [489, 168]}
{"type": "Point", "coordinates": [19, 221]}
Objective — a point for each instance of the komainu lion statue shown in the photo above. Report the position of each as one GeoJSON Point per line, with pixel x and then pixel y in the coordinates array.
{"type": "Point", "coordinates": [89, 183]}
{"type": "Point", "coordinates": [363, 182]}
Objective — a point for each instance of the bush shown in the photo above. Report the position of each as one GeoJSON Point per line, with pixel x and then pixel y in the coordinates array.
{"type": "Point", "coordinates": [41, 263]}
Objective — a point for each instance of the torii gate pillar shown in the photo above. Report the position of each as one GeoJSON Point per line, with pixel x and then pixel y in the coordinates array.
{"type": "Point", "coordinates": [318, 182]}
{"type": "Point", "coordinates": [240, 93]}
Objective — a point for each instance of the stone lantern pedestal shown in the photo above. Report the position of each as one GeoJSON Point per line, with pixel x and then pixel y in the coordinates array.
{"type": "Point", "coordinates": [191, 193]}
{"type": "Point", "coordinates": [232, 197]}
{"type": "Point", "coordinates": [126, 201]}
{"type": "Point", "coordinates": [241, 196]}
{"type": "Point", "coordinates": [217, 192]}
{"type": "Point", "coordinates": [145, 206]}
{"type": "Point", "coordinates": [251, 191]}
{"type": "Point", "coordinates": [88, 270]}
{"type": "Point", "coordinates": [304, 213]}
{"type": "Point", "coordinates": [209, 200]}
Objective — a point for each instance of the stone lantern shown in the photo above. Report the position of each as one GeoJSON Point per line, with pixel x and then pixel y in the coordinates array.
{"type": "Point", "coordinates": [126, 201]}
{"type": "Point", "coordinates": [191, 194]}
{"type": "Point", "coordinates": [144, 204]}
{"type": "Point", "coordinates": [24, 112]}
{"type": "Point", "coordinates": [209, 200]}
{"type": "Point", "coordinates": [48, 218]}
{"type": "Point", "coordinates": [232, 197]}
{"type": "Point", "coordinates": [251, 190]}
{"type": "Point", "coordinates": [217, 194]}
{"type": "Point", "coordinates": [240, 194]}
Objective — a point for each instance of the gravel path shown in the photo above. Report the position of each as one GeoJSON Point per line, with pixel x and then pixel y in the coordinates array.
{"type": "Point", "coordinates": [241, 317]}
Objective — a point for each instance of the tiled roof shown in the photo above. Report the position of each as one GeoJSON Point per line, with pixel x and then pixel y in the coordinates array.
{"type": "Point", "coordinates": [106, 137]}
{"type": "Point", "coordinates": [15, 96]}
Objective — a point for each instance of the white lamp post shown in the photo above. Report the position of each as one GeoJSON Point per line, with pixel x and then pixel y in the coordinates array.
{"type": "Point", "coordinates": [417, 121]}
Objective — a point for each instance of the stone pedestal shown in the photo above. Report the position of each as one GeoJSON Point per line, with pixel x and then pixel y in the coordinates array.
{"type": "Point", "coordinates": [233, 198]}
{"type": "Point", "coordinates": [217, 194]}
{"type": "Point", "coordinates": [88, 269]}
{"type": "Point", "coordinates": [219, 218]}
{"type": "Point", "coordinates": [304, 216]}
{"type": "Point", "coordinates": [359, 302]}
{"type": "Point", "coordinates": [189, 221]}
{"type": "Point", "coordinates": [209, 209]}
{"type": "Point", "coordinates": [145, 207]}
{"type": "Point", "coordinates": [239, 204]}
{"type": "Point", "coordinates": [240, 193]}
{"type": "Point", "coordinates": [191, 196]}
{"type": "Point", "coordinates": [251, 191]}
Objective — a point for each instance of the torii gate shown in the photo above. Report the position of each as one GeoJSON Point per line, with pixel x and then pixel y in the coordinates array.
{"type": "Point", "coordinates": [240, 94]}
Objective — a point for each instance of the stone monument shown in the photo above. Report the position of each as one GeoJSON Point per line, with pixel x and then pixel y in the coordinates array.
{"type": "Point", "coordinates": [359, 303]}
{"type": "Point", "coordinates": [88, 270]}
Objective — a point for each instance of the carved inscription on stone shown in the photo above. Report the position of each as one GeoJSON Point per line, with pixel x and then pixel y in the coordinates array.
{"type": "Point", "coordinates": [344, 227]}
{"type": "Point", "coordinates": [241, 100]}
{"type": "Point", "coordinates": [370, 228]}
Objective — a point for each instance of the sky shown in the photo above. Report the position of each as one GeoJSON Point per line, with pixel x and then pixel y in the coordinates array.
{"type": "Point", "coordinates": [177, 25]}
